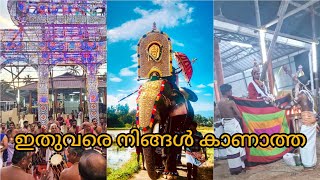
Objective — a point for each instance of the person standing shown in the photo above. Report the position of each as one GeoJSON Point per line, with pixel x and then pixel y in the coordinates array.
{"type": "Point", "coordinates": [73, 155]}
{"type": "Point", "coordinates": [20, 162]}
{"type": "Point", "coordinates": [60, 119]}
{"type": "Point", "coordinates": [194, 154]}
{"type": "Point", "coordinates": [230, 115]}
{"type": "Point", "coordinates": [303, 98]}
{"type": "Point", "coordinates": [8, 122]}
{"type": "Point", "coordinates": [92, 165]}
{"type": "Point", "coordinates": [256, 88]}
{"type": "Point", "coordinates": [3, 146]}
{"type": "Point", "coordinates": [22, 120]}
{"type": "Point", "coordinates": [96, 127]}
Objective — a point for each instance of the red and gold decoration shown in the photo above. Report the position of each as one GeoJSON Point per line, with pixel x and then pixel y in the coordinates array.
{"type": "Point", "coordinates": [148, 96]}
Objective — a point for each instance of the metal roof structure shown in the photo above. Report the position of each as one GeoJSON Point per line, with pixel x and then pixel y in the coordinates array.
{"type": "Point", "coordinates": [236, 22]}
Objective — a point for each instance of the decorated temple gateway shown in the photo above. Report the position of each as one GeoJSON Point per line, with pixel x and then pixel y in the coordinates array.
{"type": "Point", "coordinates": [51, 33]}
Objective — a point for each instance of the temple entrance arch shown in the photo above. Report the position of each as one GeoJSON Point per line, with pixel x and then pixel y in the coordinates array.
{"type": "Point", "coordinates": [74, 35]}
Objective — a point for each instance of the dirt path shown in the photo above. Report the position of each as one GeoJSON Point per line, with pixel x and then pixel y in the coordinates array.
{"type": "Point", "coordinates": [205, 172]}
{"type": "Point", "coordinates": [274, 171]}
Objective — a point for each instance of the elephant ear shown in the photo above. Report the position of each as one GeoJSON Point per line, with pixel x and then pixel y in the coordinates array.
{"type": "Point", "coordinates": [189, 94]}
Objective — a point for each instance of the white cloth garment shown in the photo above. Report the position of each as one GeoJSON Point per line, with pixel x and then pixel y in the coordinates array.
{"type": "Point", "coordinates": [192, 160]}
{"type": "Point", "coordinates": [220, 152]}
{"type": "Point", "coordinates": [263, 94]}
{"type": "Point", "coordinates": [309, 151]}
{"type": "Point", "coordinates": [49, 154]}
{"type": "Point", "coordinates": [236, 156]}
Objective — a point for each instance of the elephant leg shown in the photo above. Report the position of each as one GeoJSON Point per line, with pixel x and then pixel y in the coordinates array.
{"type": "Point", "coordinates": [172, 160]}
{"type": "Point", "coordinates": [149, 153]}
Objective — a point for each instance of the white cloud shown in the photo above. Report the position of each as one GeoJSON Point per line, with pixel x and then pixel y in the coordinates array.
{"type": "Point", "coordinates": [175, 42]}
{"type": "Point", "coordinates": [134, 47]}
{"type": "Point", "coordinates": [124, 91]}
{"type": "Point", "coordinates": [197, 91]}
{"type": "Point", "coordinates": [202, 106]}
{"type": "Point", "coordinates": [211, 85]}
{"type": "Point", "coordinates": [115, 79]}
{"type": "Point", "coordinates": [170, 14]}
{"type": "Point", "coordinates": [126, 72]}
{"type": "Point", "coordinates": [208, 94]}
{"type": "Point", "coordinates": [201, 86]}
{"type": "Point", "coordinates": [112, 100]}
{"type": "Point", "coordinates": [134, 65]}
{"type": "Point", "coordinates": [134, 58]}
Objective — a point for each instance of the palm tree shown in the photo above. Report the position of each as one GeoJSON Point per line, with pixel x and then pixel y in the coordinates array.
{"type": "Point", "coordinates": [74, 70]}
{"type": "Point", "coordinates": [27, 79]}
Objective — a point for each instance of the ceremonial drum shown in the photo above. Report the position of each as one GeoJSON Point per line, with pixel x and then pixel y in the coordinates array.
{"type": "Point", "coordinates": [57, 164]}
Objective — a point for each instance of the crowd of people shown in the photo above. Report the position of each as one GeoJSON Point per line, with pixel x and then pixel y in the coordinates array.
{"type": "Point", "coordinates": [75, 162]}
{"type": "Point", "coordinates": [228, 118]}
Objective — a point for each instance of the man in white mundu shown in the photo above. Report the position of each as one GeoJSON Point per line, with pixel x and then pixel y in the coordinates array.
{"type": "Point", "coordinates": [230, 117]}
{"type": "Point", "coordinates": [303, 98]}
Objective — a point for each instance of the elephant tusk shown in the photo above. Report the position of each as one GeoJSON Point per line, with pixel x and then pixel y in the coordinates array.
{"type": "Point", "coordinates": [156, 128]}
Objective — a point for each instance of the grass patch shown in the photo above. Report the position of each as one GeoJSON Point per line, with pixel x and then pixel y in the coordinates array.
{"type": "Point", "coordinates": [210, 154]}
{"type": "Point", "coordinates": [126, 171]}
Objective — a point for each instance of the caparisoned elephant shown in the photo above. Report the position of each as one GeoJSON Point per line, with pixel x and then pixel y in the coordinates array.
{"type": "Point", "coordinates": [163, 108]}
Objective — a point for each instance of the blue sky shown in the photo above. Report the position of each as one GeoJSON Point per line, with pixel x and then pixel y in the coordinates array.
{"type": "Point", "coordinates": [188, 24]}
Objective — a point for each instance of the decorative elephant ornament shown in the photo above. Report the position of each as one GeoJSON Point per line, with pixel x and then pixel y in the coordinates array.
{"type": "Point", "coordinates": [165, 110]}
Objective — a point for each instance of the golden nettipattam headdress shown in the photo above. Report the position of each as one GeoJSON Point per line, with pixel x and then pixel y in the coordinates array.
{"type": "Point", "coordinates": [154, 54]}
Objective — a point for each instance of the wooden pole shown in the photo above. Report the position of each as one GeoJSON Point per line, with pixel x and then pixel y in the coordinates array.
{"type": "Point", "coordinates": [30, 102]}
{"type": "Point", "coordinates": [216, 91]}
{"type": "Point", "coordinates": [81, 103]}
{"type": "Point", "coordinates": [218, 69]}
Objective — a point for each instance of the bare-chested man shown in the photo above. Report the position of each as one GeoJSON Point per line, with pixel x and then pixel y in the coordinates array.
{"type": "Point", "coordinates": [304, 99]}
{"type": "Point", "coordinates": [229, 114]}
{"type": "Point", "coordinates": [96, 127]}
{"type": "Point", "coordinates": [17, 171]}
{"type": "Point", "coordinates": [13, 129]}
{"type": "Point", "coordinates": [74, 129]}
{"type": "Point", "coordinates": [25, 128]}
{"type": "Point", "coordinates": [92, 165]}
{"type": "Point", "coordinates": [73, 154]}
{"type": "Point", "coordinates": [33, 129]}
{"type": "Point", "coordinates": [87, 129]}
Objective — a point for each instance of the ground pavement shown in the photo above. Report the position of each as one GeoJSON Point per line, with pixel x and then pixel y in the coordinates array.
{"type": "Point", "coordinates": [274, 171]}
{"type": "Point", "coordinates": [205, 172]}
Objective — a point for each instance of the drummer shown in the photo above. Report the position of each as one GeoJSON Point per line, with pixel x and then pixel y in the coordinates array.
{"type": "Point", "coordinates": [73, 154]}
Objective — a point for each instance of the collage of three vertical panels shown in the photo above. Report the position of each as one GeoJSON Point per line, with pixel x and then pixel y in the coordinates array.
{"type": "Point", "coordinates": [96, 89]}
{"type": "Point", "coordinates": [78, 77]}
